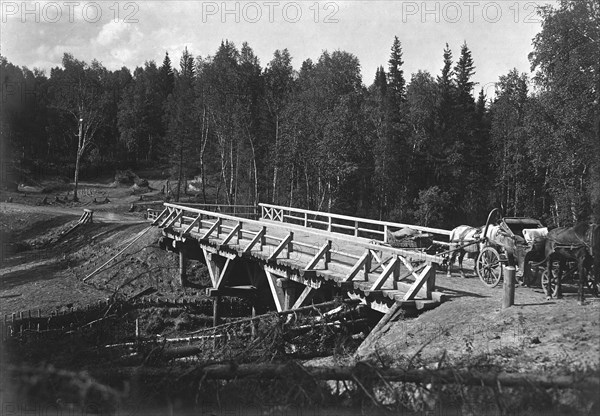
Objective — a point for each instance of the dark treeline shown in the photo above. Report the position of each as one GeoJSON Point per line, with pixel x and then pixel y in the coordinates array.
{"type": "Point", "coordinates": [427, 149]}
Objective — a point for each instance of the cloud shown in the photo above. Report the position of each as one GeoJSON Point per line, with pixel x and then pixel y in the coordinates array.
{"type": "Point", "coordinates": [118, 32]}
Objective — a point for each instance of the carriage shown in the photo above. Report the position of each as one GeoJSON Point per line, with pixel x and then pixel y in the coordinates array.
{"type": "Point", "coordinates": [493, 256]}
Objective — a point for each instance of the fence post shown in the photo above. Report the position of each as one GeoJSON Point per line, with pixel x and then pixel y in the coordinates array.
{"type": "Point", "coordinates": [508, 298]}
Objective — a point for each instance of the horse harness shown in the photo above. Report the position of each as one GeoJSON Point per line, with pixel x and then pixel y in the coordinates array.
{"type": "Point", "coordinates": [588, 241]}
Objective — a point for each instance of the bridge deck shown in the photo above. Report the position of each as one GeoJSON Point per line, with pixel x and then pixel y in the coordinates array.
{"type": "Point", "coordinates": [377, 274]}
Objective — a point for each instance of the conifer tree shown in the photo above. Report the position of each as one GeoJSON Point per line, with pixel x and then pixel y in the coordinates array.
{"type": "Point", "coordinates": [464, 71]}
{"type": "Point", "coordinates": [396, 82]}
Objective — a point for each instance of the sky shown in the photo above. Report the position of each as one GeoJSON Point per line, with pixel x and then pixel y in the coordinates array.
{"type": "Point", "coordinates": [499, 34]}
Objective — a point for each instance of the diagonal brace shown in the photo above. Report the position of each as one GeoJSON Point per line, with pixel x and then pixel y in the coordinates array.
{"type": "Point", "coordinates": [216, 226]}
{"type": "Point", "coordinates": [325, 252]}
{"type": "Point", "coordinates": [286, 242]}
{"type": "Point", "coordinates": [364, 261]}
{"type": "Point", "coordinates": [392, 267]}
{"type": "Point", "coordinates": [259, 237]}
{"type": "Point", "coordinates": [233, 233]}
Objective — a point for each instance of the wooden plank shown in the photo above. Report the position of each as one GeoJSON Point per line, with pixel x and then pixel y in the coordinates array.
{"type": "Point", "coordinates": [234, 232]}
{"type": "Point", "coordinates": [363, 262]}
{"type": "Point", "coordinates": [409, 267]}
{"type": "Point", "coordinates": [223, 273]}
{"type": "Point", "coordinates": [174, 220]}
{"type": "Point", "coordinates": [361, 220]}
{"type": "Point", "coordinates": [323, 252]}
{"type": "Point", "coordinates": [427, 272]}
{"type": "Point", "coordinates": [196, 220]}
{"type": "Point", "coordinates": [236, 291]}
{"type": "Point", "coordinates": [277, 292]}
{"type": "Point", "coordinates": [167, 218]}
{"type": "Point", "coordinates": [389, 269]}
{"type": "Point", "coordinates": [216, 226]}
{"type": "Point", "coordinates": [284, 243]}
{"type": "Point", "coordinates": [259, 237]}
{"type": "Point", "coordinates": [304, 296]}
{"type": "Point", "coordinates": [164, 211]}
{"type": "Point", "coordinates": [212, 267]}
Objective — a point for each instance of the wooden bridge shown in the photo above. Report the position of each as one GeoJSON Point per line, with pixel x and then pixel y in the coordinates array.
{"type": "Point", "coordinates": [294, 256]}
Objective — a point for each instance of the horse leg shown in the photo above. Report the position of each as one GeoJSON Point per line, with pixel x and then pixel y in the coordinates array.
{"type": "Point", "coordinates": [561, 266]}
{"type": "Point", "coordinates": [549, 280]}
{"type": "Point", "coordinates": [582, 278]}
{"type": "Point", "coordinates": [451, 262]}
{"type": "Point", "coordinates": [461, 256]}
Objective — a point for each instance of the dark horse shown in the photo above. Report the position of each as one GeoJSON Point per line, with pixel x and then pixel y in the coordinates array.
{"type": "Point", "coordinates": [580, 243]}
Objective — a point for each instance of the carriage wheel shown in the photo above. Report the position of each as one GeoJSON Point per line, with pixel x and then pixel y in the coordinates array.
{"type": "Point", "coordinates": [489, 267]}
{"type": "Point", "coordinates": [553, 285]}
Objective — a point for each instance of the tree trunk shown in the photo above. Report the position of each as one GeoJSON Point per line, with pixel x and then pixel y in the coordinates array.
{"type": "Point", "coordinates": [275, 160]}
{"type": "Point", "coordinates": [204, 141]}
{"type": "Point", "coordinates": [77, 164]}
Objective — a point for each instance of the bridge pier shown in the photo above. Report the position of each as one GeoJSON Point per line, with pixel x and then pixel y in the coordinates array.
{"type": "Point", "coordinates": [182, 268]}
{"type": "Point", "coordinates": [216, 310]}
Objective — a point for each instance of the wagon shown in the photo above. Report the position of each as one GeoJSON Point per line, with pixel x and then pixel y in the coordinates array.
{"type": "Point", "coordinates": [492, 257]}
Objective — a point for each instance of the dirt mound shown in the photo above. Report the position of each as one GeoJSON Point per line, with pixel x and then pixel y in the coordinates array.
{"type": "Point", "coordinates": [534, 335]}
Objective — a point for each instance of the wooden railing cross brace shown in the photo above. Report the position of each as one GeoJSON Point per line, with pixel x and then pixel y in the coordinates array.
{"type": "Point", "coordinates": [197, 220]}
{"type": "Point", "coordinates": [363, 262]}
{"type": "Point", "coordinates": [286, 242]}
{"type": "Point", "coordinates": [391, 268]}
{"type": "Point", "coordinates": [216, 226]}
{"type": "Point", "coordinates": [259, 237]}
{"type": "Point", "coordinates": [325, 252]}
{"type": "Point", "coordinates": [234, 232]}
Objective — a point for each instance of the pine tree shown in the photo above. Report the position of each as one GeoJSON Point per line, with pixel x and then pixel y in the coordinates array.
{"type": "Point", "coordinates": [464, 71]}
{"type": "Point", "coordinates": [396, 82]}
{"type": "Point", "coordinates": [380, 81]}
{"type": "Point", "coordinates": [167, 77]}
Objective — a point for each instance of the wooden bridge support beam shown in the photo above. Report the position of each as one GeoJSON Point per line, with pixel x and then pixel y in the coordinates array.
{"type": "Point", "coordinates": [182, 268]}
{"type": "Point", "coordinates": [216, 310]}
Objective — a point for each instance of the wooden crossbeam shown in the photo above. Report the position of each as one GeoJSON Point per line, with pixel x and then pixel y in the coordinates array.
{"type": "Point", "coordinates": [233, 233]}
{"type": "Point", "coordinates": [168, 217]}
{"type": "Point", "coordinates": [193, 224]}
{"type": "Point", "coordinates": [391, 268]}
{"type": "Point", "coordinates": [175, 218]}
{"type": "Point", "coordinates": [216, 226]}
{"type": "Point", "coordinates": [323, 252]}
{"type": "Point", "coordinates": [259, 237]}
{"type": "Point", "coordinates": [211, 266]}
{"type": "Point", "coordinates": [363, 262]}
{"type": "Point", "coordinates": [427, 273]}
{"type": "Point", "coordinates": [409, 267]}
{"type": "Point", "coordinates": [286, 242]}
{"type": "Point", "coordinates": [304, 296]}
{"type": "Point", "coordinates": [276, 291]}
{"type": "Point", "coordinates": [223, 274]}
{"type": "Point", "coordinates": [157, 219]}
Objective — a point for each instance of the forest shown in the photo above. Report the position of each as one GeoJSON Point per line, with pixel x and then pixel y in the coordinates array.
{"type": "Point", "coordinates": [428, 149]}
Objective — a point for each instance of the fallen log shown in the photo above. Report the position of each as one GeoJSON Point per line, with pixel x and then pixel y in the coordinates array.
{"type": "Point", "coordinates": [352, 373]}
{"type": "Point", "coordinates": [270, 314]}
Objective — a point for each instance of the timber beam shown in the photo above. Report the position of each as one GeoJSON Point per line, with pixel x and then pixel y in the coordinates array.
{"type": "Point", "coordinates": [247, 291]}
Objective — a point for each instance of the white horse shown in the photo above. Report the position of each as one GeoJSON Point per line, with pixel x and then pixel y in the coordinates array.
{"type": "Point", "coordinates": [464, 240]}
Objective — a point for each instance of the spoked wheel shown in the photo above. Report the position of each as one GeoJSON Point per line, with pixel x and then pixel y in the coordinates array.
{"type": "Point", "coordinates": [553, 285]}
{"type": "Point", "coordinates": [489, 267]}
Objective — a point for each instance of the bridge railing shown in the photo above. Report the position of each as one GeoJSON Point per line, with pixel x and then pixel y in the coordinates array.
{"type": "Point", "coordinates": [343, 224]}
{"type": "Point", "coordinates": [244, 211]}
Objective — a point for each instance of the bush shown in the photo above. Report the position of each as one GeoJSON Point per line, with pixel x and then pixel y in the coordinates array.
{"type": "Point", "coordinates": [125, 177]}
